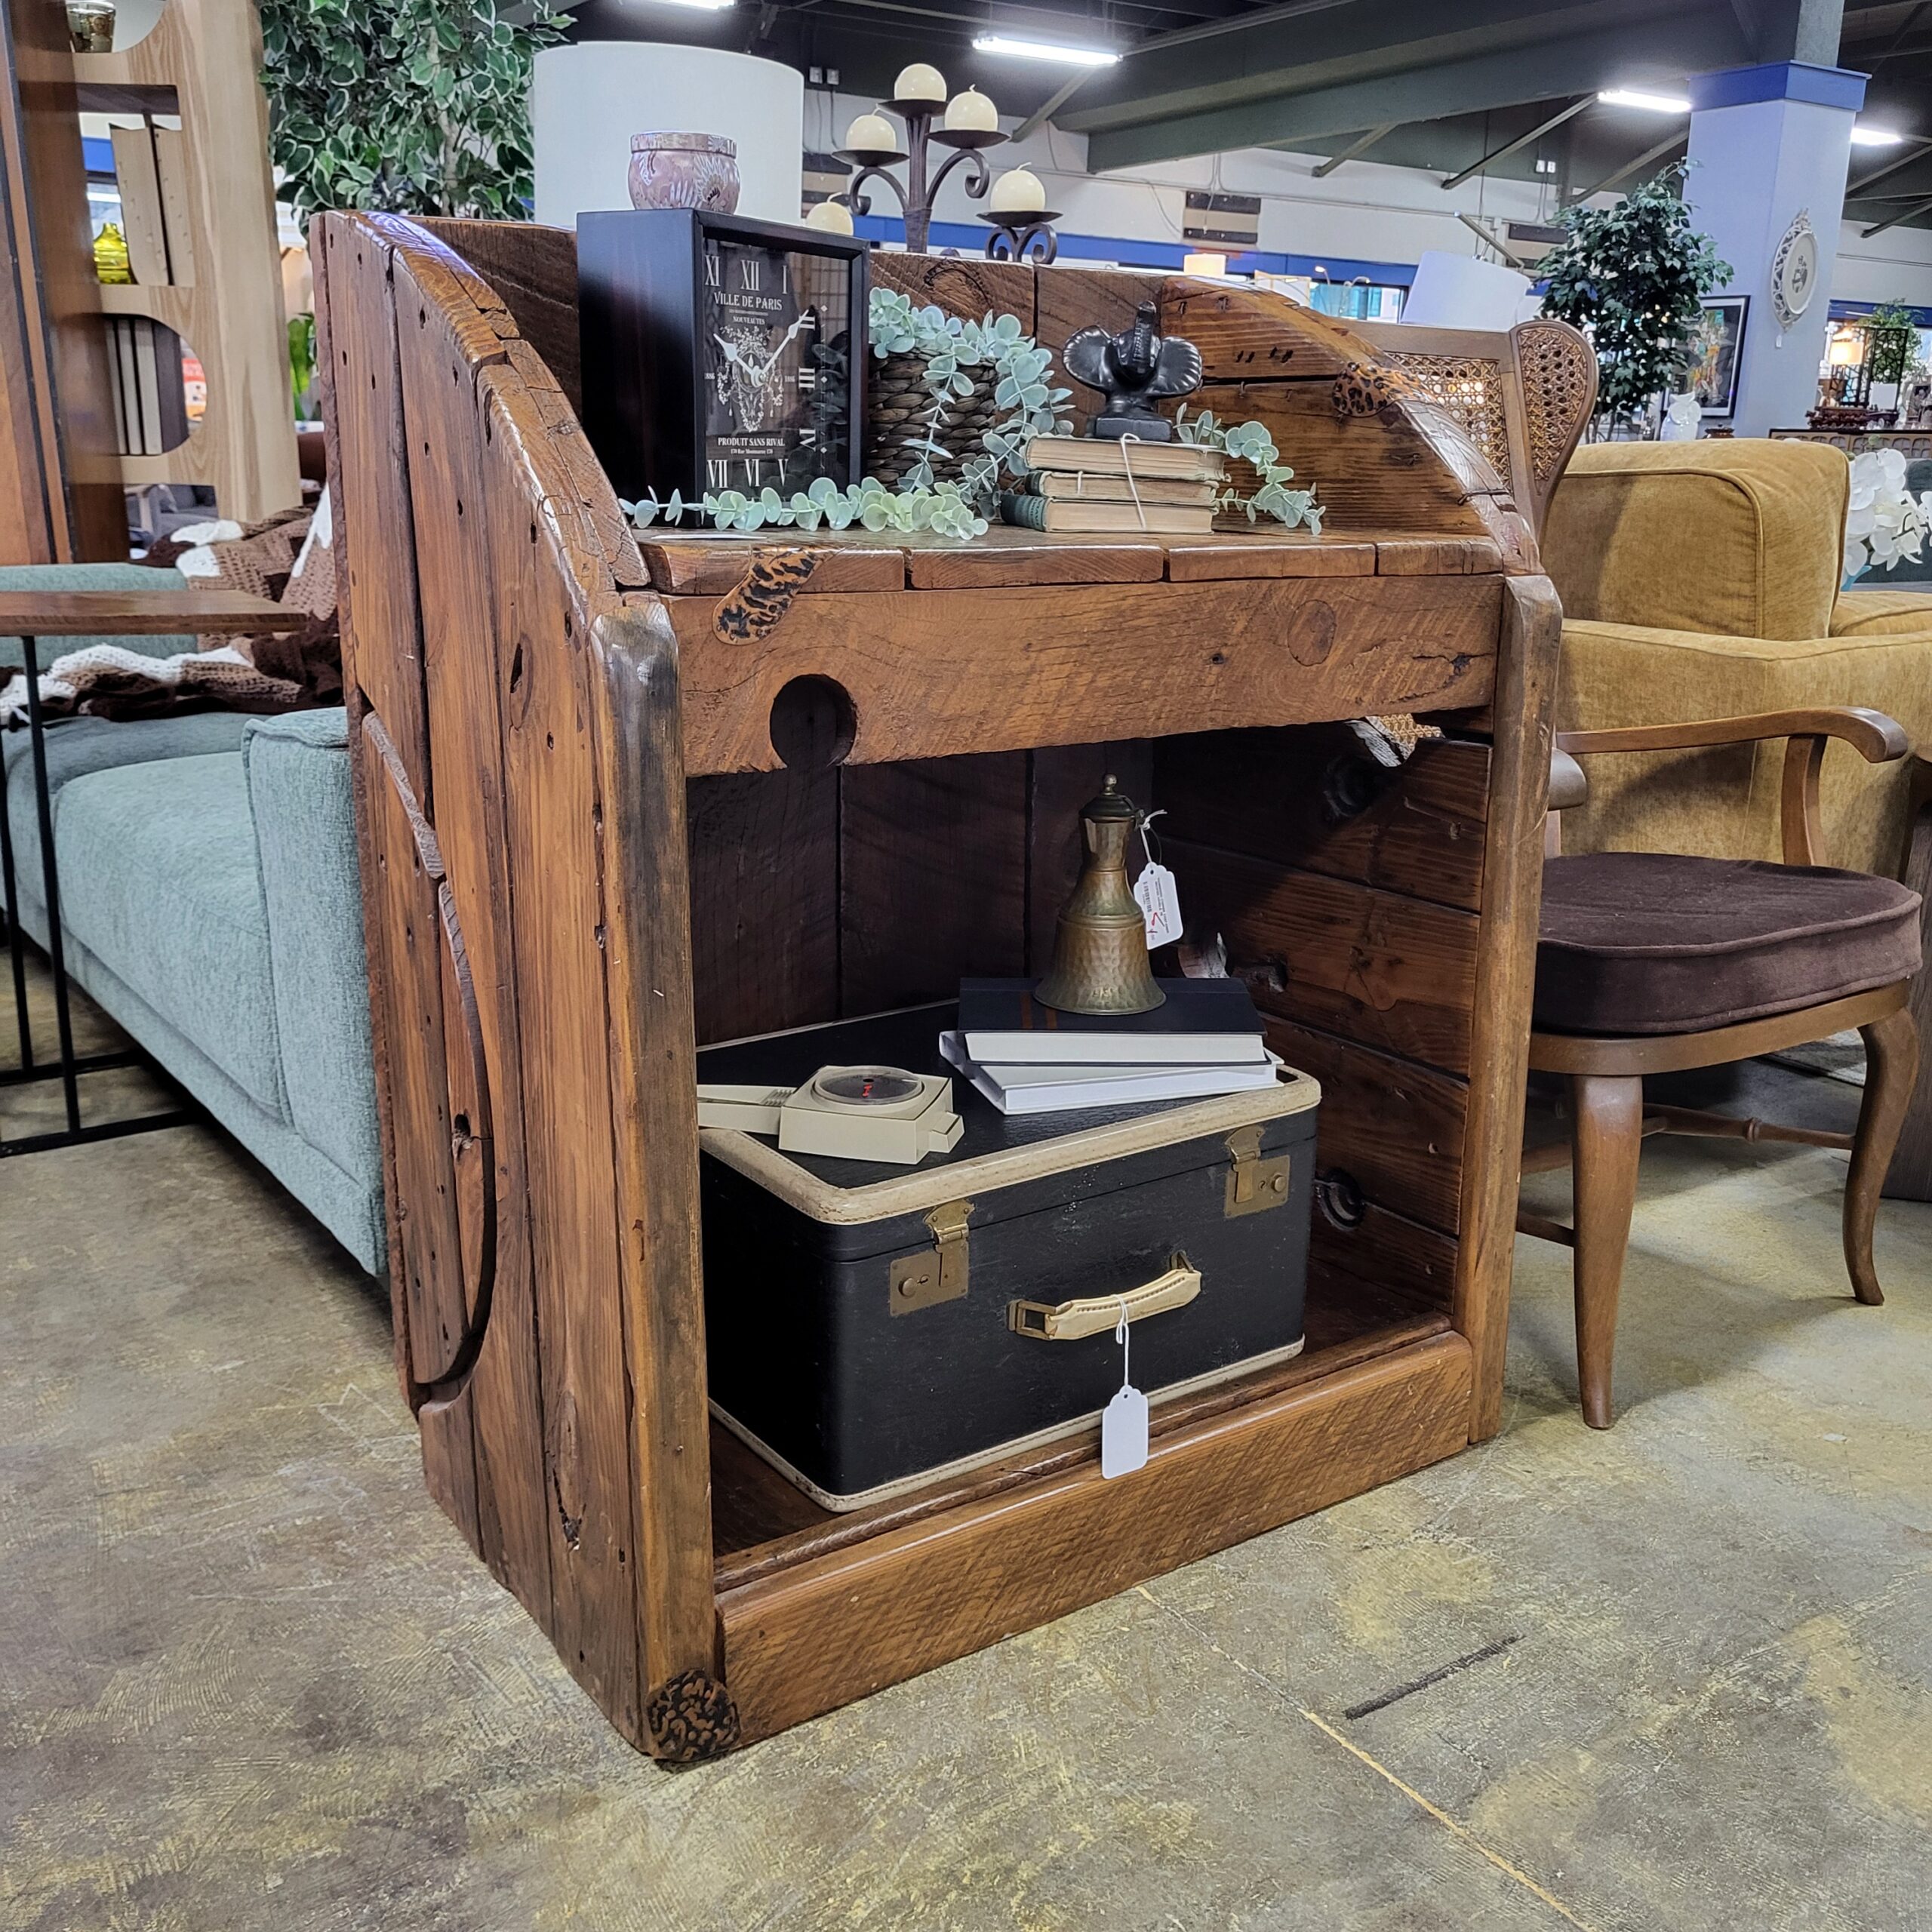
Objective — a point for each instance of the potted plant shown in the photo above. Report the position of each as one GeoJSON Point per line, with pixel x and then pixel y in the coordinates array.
{"type": "Point", "coordinates": [1631, 277]}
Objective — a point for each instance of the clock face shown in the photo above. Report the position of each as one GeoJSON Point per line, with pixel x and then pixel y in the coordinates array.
{"type": "Point", "coordinates": [777, 330]}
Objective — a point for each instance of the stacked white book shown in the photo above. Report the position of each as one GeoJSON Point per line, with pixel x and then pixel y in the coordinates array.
{"type": "Point", "coordinates": [1087, 484]}
{"type": "Point", "coordinates": [1027, 1058]}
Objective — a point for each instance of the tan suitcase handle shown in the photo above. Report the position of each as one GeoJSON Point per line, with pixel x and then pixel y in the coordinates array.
{"type": "Point", "coordinates": [1067, 1322]}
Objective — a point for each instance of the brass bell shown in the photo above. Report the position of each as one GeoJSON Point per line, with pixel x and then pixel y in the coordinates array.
{"type": "Point", "coordinates": [1100, 963]}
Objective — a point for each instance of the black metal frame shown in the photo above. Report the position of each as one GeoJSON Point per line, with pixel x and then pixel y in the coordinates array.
{"type": "Point", "coordinates": [70, 1065]}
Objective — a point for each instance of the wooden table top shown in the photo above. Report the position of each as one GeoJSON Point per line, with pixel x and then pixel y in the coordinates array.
{"type": "Point", "coordinates": [139, 612]}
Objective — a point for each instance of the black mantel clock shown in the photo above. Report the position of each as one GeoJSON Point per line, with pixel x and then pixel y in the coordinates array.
{"type": "Point", "coordinates": [720, 353]}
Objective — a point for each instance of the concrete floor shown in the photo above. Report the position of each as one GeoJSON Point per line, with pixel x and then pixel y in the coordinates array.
{"type": "Point", "coordinates": [1675, 1676]}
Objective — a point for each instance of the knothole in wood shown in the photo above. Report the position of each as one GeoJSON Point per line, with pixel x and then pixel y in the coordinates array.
{"type": "Point", "coordinates": [813, 724]}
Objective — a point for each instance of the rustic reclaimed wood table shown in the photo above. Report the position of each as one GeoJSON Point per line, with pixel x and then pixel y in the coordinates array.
{"type": "Point", "coordinates": [30, 615]}
{"type": "Point", "coordinates": [618, 798]}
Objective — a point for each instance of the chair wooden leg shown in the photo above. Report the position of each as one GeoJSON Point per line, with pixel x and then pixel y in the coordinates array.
{"type": "Point", "coordinates": [1607, 1127]}
{"type": "Point", "coordinates": [1891, 1071]}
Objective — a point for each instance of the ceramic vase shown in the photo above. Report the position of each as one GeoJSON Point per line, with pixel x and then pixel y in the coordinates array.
{"type": "Point", "coordinates": [685, 171]}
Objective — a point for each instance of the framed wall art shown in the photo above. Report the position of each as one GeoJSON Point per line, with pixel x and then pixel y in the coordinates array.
{"type": "Point", "coordinates": [1720, 348]}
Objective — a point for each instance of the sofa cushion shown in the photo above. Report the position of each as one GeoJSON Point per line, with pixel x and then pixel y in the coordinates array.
{"type": "Point", "coordinates": [1652, 942]}
{"type": "Point", "coordinates": [299, 797]}
{"type": "Point", "coordinates": [77, 745]}
{"type": "Point", "coordinates": [159, 883]}
{"type": "Point", "coordinates": [1739, 536]}
{"type": "Point", "coordinates": [1877, 610]}
{"type": "Point", "coordinates": [91, 577]}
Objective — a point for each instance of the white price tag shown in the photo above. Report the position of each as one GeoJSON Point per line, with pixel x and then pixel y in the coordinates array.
{"type": "Point", "coordinates": [1124, 1433]}
{"type": "Point", "coordinates": [1155, 894]}
{"type": "Point", "coordinates": [1123, 1421]}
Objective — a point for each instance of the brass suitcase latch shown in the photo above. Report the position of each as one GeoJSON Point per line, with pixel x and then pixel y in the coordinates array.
{"type": "Point", "coordinates": [1254, 1185]}
{"type": "Point", "coordinates": [934, 1275]}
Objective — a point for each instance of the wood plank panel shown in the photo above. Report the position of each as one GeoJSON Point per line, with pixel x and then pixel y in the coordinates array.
{"type": "Point", "coordinates": [533, 268]}
{"type": "Point", "coordinates": [461, 672]}
{"type": "Point", "coordinates": [551, 806]}
{"type": "Point", "coordinates": [375, 538]}
{"type": "Point", "coordinates": [1381, 969]}
{"type": "Point", "coordinates": [964, 285]}
{"type": "Point", "coordinates": [817, 1636]}
{"type": "Point", "coordinates": [1395, 1127]}
{"type": "Point", "coordinates": [652, 1071]}
{"type": "Point", "coordinates": [1014, 669]}
{"type": "Point", "coordinates": [695, 565]}
{"type": "Point", "coordinates": [932, 877]}
{"type": "Point", "coordinates": [427, 1258]}
{"type": "Point", "coordinates": [1246, 335]}
{"type": "Point", "coordinates": [1008, 555]}
{"type": "Point", "coordinates": [1369, 472]}
{"type": "Point", "coordinates": [1499, 1053]}
{"type": "Point", "coordinates": [1384, 1254]}
{"type": "Point", "coordinates": [764, 901]}
{"type": "Point", "coordinates": [1211, 559]}
{"type": "Point", "coordinates": [1436, 556]}
{"type": "Point", "coordinates": [1315, 796]}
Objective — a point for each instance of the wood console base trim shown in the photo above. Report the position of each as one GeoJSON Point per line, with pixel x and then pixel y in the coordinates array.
{"type": "Point", "coordinates": [837, 1628]}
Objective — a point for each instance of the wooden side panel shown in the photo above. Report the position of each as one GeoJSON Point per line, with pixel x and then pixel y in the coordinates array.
{"type": "Point", "coordinates": [942, 1588]}
{"type": "Point", "coordinates": [460, 668]}
{"type": "Point", "coordinates": [533, 268]}
{"type": "Point", "coordinates": [1499, 1051]}
{"type": "Point", "coordinates": [376, 541]}
{"type": "Point", "coordinates": [764, 901]}
{"type": "Point", "coordinates": [427, 1261]}
{"type": "Point", "coordinates": [1014, 669]}
{"type": "Point", "coordinates": [933, 878]}
{"type": "Point", "coordinates": [964, 285]}
{"type": "Point", "coordinates": [33, 521]}
{"type": "Point", "coordinates": [1318, 797]}
{"type": "Point", "coordinates": [654, 1075]}
{"type": "Point", "coordinates": [1390, 972]}
{"type": "Point", "coordinates": [1246, 335]}
{"type": "Point", "coordinates": [552, 813]}
{"type": "Point", "coordinates": [1384, 1254]}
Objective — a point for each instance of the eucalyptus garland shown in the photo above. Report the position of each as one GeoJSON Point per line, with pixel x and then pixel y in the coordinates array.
{"type": "Point", "coordinates": [1250, 443]}
{"type": "Point", "coordinates": [870, 504]}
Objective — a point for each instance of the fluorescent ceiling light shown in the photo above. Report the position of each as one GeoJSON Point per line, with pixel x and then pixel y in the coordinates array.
{"type": "Point", "coordinates": [703, 6]}
{"type": "Point", "coordinates": [1875, 137]}
{"type": "Point", "coordinates": [1657, 103]}
{"type": "Point", "coordinates": [1046, 50]}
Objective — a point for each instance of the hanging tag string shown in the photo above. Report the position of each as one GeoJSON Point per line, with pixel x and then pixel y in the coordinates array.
{"type": "Point", "coordinates": [1123, 1334]}
{"type": "Point", "coordinates": [1147, 845]}
{"type": "Point", "coordinates": [1133, 489]}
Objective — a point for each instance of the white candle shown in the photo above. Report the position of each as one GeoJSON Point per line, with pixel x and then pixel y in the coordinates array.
{"type": "Point", "coordinates": [834, 217]}
{"type": "Point", "coordinates": [872, 133]}
{"type": "Point", "coordinates": [1017, 192]}
{"type": "Point", "coordinates": [972, 112]}
{"type": "Point", "coordinates": [919, 82]}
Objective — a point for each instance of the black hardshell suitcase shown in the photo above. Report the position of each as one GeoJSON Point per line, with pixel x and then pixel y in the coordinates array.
{"type": "Point", "coordinates": [871, 1328]}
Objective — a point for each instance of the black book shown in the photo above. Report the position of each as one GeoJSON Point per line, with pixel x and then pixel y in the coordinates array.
{"type": "Point", "coordinates": [1200, 1022]}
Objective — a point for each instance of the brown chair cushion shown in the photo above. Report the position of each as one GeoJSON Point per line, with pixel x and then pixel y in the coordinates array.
{"type": "Point", "coordinates": [1652, 942]}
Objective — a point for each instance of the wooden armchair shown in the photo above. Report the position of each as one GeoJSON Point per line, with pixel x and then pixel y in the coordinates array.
{"type": "Point", "coordinates": [1651, 962]}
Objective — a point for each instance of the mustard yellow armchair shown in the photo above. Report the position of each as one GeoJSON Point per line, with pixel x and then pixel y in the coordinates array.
{"type": "Point", "coordinates": [1699, 580]}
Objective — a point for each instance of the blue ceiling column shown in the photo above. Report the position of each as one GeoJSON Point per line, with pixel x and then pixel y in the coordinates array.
{"type": "Point", "coordinates": [1768, 144]}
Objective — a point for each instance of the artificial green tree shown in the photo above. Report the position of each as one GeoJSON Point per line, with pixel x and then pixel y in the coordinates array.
{"type": "Point", "coordinates": [1631, 277]}
{"type": "Point", "coordinates": [407, 106]}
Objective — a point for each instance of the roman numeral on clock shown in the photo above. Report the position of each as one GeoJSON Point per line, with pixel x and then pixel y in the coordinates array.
{"type": "Point", "coordinates": [717, 473]}
{"type": "Point", "coordinates": [713, 269]}
{"type": "Point", "coordinates": [752, 270]}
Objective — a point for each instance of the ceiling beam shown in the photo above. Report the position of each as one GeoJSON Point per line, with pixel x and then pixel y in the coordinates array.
{"type": "Point", "coordinates": [1667, 43]}
{"type": "Point", "coordinates": [1893, 220]}
{"type": "Point", "coordinates": [1054, 102]}
{"type": "Point", "coordinates": [1915, 151]}
{"type": "Point", "coordinates": [1362, 146]}
{"type": "Point", "coordinates": [1523, 140]}
{"type": "Point", "coordinates": [1678, 139]}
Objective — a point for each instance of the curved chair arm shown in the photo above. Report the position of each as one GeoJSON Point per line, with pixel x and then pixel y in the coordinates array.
{"type": "Point", "coordinates": [1876, 738]}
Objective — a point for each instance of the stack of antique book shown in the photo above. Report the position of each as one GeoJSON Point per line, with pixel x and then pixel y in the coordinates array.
{"type": "Point", "coordinates": [1087, 483]}
{"type": "Point", "coordinates": [1027, 1058]}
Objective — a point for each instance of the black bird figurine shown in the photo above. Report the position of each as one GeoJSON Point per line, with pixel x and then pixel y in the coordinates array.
{"type": "Point", "coordinates": [1132, 370]}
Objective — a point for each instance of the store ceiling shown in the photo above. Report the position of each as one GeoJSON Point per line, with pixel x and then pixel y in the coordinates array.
{"type": "Point", "coordinates": [1433, 84]}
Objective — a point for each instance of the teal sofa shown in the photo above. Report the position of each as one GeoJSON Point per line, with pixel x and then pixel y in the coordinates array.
{"type": "Point", "coordinates": [210, 903]}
